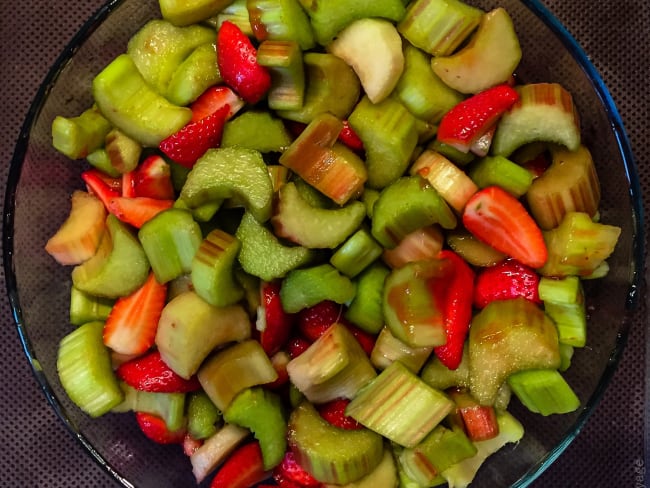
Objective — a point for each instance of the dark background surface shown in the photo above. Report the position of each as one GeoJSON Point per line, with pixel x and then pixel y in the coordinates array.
{"type": "Point", "coordinates": [37, 451]}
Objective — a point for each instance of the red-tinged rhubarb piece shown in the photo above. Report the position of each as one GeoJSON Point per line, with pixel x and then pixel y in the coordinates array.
{"type": "Point", "coordinates": [478, 421]}
{"type": "Point", "coordinates": [507, 279]}
{"type": "Point", "coordinates": [334, 412]}
{"type": "Point", "coordinates": [190, 444]}
{"type": "Point", "coordinates": [97, 185]}
{"type": "Point", "coordinates": [152, 178]}
{"type": "Point", "coordinates": [138, 210]}
{"type": "Point", "coordinates": [500, 220]}
{"type": "Point", "coordinates": [213, 99]}
{"type": "Point", "coordinates": [155, 429]}
{"type": "Point", "coordinates": [466, 122]}
{"type": "Point", "coordinates": [237, 60]}
{"type": "Point", "coordinates": [132, 324]}
{"type": "Point", "coordinates": [150, 373]}
{"type": "Point", "coordinates": [243, 469]}
{"type": "Point", "coordinates": [273, 322]}
{"type": "Point", "coordinates": [193, 140]}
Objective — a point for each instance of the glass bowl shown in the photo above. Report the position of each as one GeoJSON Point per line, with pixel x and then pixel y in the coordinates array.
{"type": "Point", "coordinates": [41, 180]}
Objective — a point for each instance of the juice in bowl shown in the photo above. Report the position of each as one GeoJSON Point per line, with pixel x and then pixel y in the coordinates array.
{"type": "Point", "coordinates": [311, 249]}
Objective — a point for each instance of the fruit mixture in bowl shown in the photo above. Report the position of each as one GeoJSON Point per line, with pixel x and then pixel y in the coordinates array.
{"type": "Point", "coordinates": [334, 243]}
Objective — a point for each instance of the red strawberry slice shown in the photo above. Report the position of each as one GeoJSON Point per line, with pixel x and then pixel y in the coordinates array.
{"type": "Point", "coordinates": [98, 184]}
{"type": "Point", "coordinates": [505, 280]}
{"type": "Point", "coordinates": [289, 471]}
{"type": "Point", "coordinates": [243, 469]}
{"type": "Point", "coordinates": [150, 373]}
{"type": "Point", "coordinates": [138, 210]}
{"type": "Point", "coordinates": [214, 99]}
{"type": "Point", "coordinates": [153, 179]}
{"type": "Point", "coordinates": [334, 413]}
{"type": "Point", "coordinates": [296, 346]}
{"type": "Point", "coordinates": [132, 323]}
{"type": "Point", "coordinates": [274, 323]}
{"type": "Point", "coordinates": [155, 429]}
{"type": "Point", "coordinates": [350, 138]}
{"type": "Point", "coordinates": [366, 340]}
{"type": "Point", "coordinates": [497, 218]}
{"type": "Point", "coordinates": [470, 119]}
{"type": "Point", "coordinates": [237, 60]}
{"type": "Point", "coordinates": [194, 139]}
{"type": "Point", "coordinates": [128, 184]}
{"type": "Point", "coordinates": [314, 321]}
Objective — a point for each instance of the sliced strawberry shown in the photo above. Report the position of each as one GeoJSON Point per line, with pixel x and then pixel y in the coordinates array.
{"type": "Point", "coordinates": [243, 469]}
{"type": "Point", "coordinates": [155, 429]}
{"type": "Point", "coordinates": [138, 210]}
{"type": "Point", "coordinates": [497, 218]}
{"type": "Point", "coordinates": [296, 346]}
{"type": "Point", "coordinates": [213, 100]}
{"type": "Point", "coordinates": [276, 324]}
{"type": "Point", "coordinates": [538, 165]}
{"type": "Point", "coordinates": [366, 340]}
{"type": "Point", "coordinates": [466, 122]}
{"type": "Point", "coordinates": [98, 185]}
{"type": "Point", "coordinates": [132, 323]}
{"type": "Point", "coordinates": [334, 413]}
{"type": "Point", "coordinates": [350, 138]}
{"type": "Point", "coordinates": [194, 139]}
{"type": "Point", "coordinates": [150, 373]}
{"type": "Point", "coordinates": [314, 321]}
{"type": "Point", "coordinates": [505, 280]}
{"type": "Point", "coordinates": [289, 471]}
{"type": "Point", "coordinates": [153, 179]}
{"type": "Point", "coordinates": [237, 60]}
{"type": "Point", "coordinates": [128, 184]}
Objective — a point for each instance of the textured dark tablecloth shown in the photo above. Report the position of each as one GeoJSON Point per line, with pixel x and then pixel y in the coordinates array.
{"type": "Point", "coordinates": [35, 448]}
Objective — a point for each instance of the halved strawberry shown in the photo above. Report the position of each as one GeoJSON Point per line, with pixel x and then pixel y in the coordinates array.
{"type": "Point", "coordinates": [156, 429]}
{"type": "Point", "coordinates": [243, 469]}
{"type": "Point", "coordinates": [505, 280]}
{"type": "Point", "coordinates": [497, 218]}
{"type": "Point", "coordinates": [314, 321]}
{"type": "Point", "coordinates": [213, 99]}
{"type": "Point", "coordinates": [467, 121]}
{"type": "Point", "coordinates": [237, 60]}
{"type": "Point", "coordinates": [289, 471]}
{"type": "Point", "coordinates": [153, 179]}
{"type": "Point", "coordinates": [296, 346]}
{"type": "Point", "coordinates": [128, 184]}
{"type": "Point", "coordinates": [350, 138]}
{"type": "Point", "coordinates": [150, 373]}
{"type": "Point", "coordinates": [334, 413]}
{"type": "Point", "coordinates": [132, 323]}
{"type": "Point", "coordinates": [194, 139]}
{"type": "Point", "coordinates": [138, 210]}
{"type": "Point", "coordinates": [274, 323]}
{"type": "Point", "coordinates": [97, 184]}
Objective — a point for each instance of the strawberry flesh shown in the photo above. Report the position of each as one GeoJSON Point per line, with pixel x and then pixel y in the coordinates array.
{"type": "Point", "coordinates": [214, 99]}
{"type": "Point", "coordinates": [243, 469]}
{"type": "Point", "coordinates": [315, 320]}
{"type": "Point", "coordinates": [505, 280]}
{"type": "Point", "coordinates": [152, 178]}
{"type": "Point", "coordinates": [137, 210]}
{"type": "Point", "coordinates": [289, 472]}
{"type": "Point", "coordinates": [334, 413]}
{"type": "Point", "coordinates": [155, 429]}
{"type": "Point", "coordinates": [150, 373]}
{"type": "Point", "coordinates": [350, 138]}
{"type": "Point", "coordinates": [277, 324]}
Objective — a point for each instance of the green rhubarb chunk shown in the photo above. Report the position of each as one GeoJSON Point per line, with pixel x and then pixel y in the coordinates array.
{"type": "Point", "coordinates": [283, 20]}
{"type": "Point", "coordinates": [389, 349]}
{"type": "Point", "coordinates": [564, 302]}
{"type": "Point", "coordinates": [500, 171]}
{"type": "Point", "coordinates": [257, 130]}
{"type": "Point", "coordinates": [453, 154]}
{"type": "Point", "coordinates": [578, 246]}
{"type": "Point", "coordinates": [334, 366]}
{"type": "Point", "coordinates": [329, 17]}
{"type": "Point", "coordinates": [234, 369]}
{"type": "Point", "coordinates": [331, 454]}
{"type": "Point", "coordinates": [358, 252]}
{"type": "Point", "coordinates": [505, 337]}
{"type": "Point", "coordinates": [263, 255]}
{"type": "Point", "coordinates": [310, 194]}
{"type": "Point", "coordinates": [84, 368]}
{"type": "Point", "coordinates": [122, 151]}
{"type": "Point", "coordinates": [159, 48]}
{"type": "Point", "coordinates": [305, 287]}
{"type": "Point", "coordinates": [99, 159]}
{"type": "Point", "coordinates": [331, 86]}
{"type": "Point", "coordinates": [366, 309]}
{"type": "Point", "coordinates": [189, 329]}
{"type": "Point", "coordinates": [213, 269]}
{"type": "Point", "coordinates": [544, 391]}
{"type": "Point", "coordinates": [88, 308]}
{"type": "Point", "coordinates": [400, 406]}
{"type": "Point", "coordinates": [439, 376]}
{"type": "Point", "coordinates": [438, 27]}
{"type": "Point", "coordinates": [168, 406]}
{"type": "Point", "coordinates": [408, 204]}
{"type": "Point", "coordinates": [118, 268]}
{"type": "Point", "coordinates": [130, 104]}
{"type": "Point", "coordinates": [311, 227]}
{"type": "Point", "coordinates": [460, 475]}
{"type": "Point", "coordinates": [198, 72]}
{"type": "Point", "coordinates": [186, 12]}
{"type": "Point", "coordinates": [284, 61]}
{"type": "Point", "coordinates": [232, 172]}
{"type": "Point", "coordinates": [262, 412]}
{"type": "Point", "coordinates": [421, 91]}
{"type": "Point", "coordinates": [77, 137]}
{"type": "Point", "coordinates": [170, 241]}
{"type": "Point", "coordinates": [237, 13]}
{"type": "Point", "coordinates": [389, 135]}
{"type": "Point", "coordinates": [202, 415]}
{"type": "Point", "coordinates": [385, 474]}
